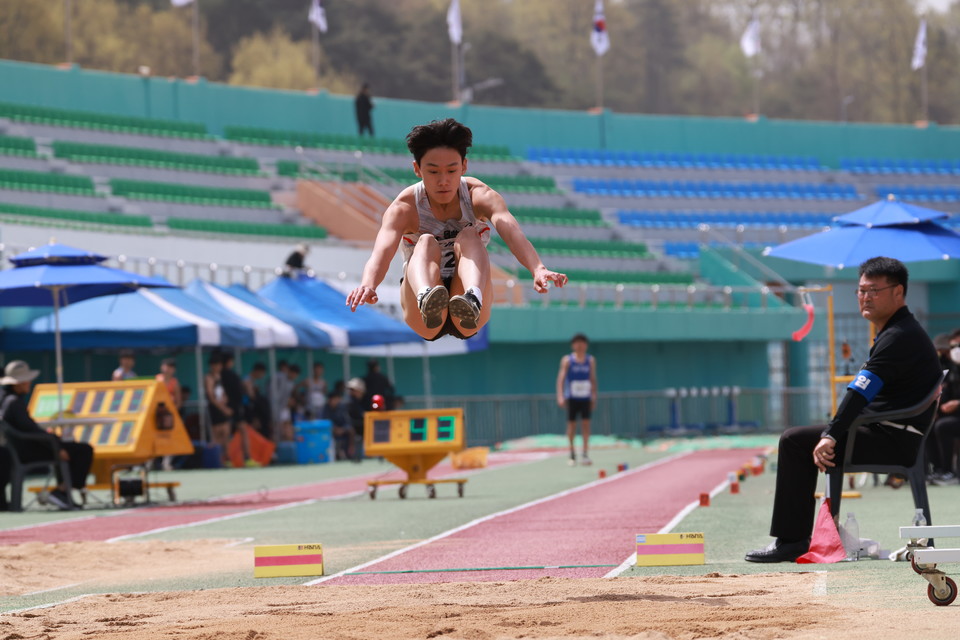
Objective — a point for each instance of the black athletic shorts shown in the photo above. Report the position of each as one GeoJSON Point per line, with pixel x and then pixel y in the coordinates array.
{"type": "Point", "coordinates": [578, 407]}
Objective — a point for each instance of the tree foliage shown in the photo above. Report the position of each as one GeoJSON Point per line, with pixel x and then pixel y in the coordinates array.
{"type": "Point", "coordinates": [820, 58]}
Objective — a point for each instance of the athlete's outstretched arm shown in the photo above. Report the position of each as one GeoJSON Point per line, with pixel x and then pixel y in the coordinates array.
{"type": "Point", "coordinates": [493, 206]}
{"type": "Point", "coordinates": [392, 228]}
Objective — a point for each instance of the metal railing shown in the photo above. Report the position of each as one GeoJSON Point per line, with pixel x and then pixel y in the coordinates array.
{"type": "Point", "coordinates": [641, 414]}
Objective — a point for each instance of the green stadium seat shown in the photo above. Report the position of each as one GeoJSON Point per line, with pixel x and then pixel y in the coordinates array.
{"type": "Point", "coordinates": [93, 218]}
{"type": "Point", "coordinates": [247, 228]}
{"type": "Point", "coordinates": [149, 157]}
{"type": "Point", "coordinates": [206, 196]}
{"type": "Point", "coordinates": [107, 122]}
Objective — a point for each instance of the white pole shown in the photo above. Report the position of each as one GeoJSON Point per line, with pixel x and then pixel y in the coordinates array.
{"type": "Point", "coordinates": [196, 38]}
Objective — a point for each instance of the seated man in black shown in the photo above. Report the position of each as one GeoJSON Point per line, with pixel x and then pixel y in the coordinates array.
{"type": "Point", "coordinates": [902, 369]}
{"type": "Point", "coordinates": [18, 377]}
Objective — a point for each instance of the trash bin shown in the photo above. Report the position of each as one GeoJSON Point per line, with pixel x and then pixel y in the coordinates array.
{"type": "Point", "coordinates": [314, 439]}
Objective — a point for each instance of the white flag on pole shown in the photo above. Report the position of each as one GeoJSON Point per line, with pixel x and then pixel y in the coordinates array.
{"type": "Point", "coordinates": [180, 3]}
{"type": "Point", "coordinates": [455, 22]}
{"type": "Point", "coordinates": [920, 47]}
{"type": "Point", "coordinates": [599, 38]}
{"type": "Point", "coordinates": [750, 40]}
{"type": "Point", "coordinates": [318, 16]}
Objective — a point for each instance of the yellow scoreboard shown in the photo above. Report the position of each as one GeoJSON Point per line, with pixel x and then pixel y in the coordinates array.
{"type": "Point", "coordinates": [415, 440]}
{"type": "Point", "coordinates": [417, 431]}
{"type": "Point", "coordinates": [126, 423]}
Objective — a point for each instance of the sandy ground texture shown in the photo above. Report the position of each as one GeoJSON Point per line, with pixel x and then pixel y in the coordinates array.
{"type": "Point", "coordinates": [759, 607]}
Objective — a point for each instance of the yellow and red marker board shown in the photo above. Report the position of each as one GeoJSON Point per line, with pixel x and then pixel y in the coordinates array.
{"type": "Point", "coordinates": [287, 560]}
{"type": "Point", "coordinates": [669, 549]}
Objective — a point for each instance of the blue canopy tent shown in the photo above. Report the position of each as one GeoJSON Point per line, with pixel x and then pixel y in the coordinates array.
{"type": "Point", "coordinates": [142, 319]}
{"type": "Point", "coordinates": [309, 332]}
{"type": "Point", "coordinates": [270, 330]}
{"type": "Point", "coordinates": [320, 302]}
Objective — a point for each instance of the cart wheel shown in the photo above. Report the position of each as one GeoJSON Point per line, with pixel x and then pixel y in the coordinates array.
{"type": "Point", "coordinates": [431, 491]}
{"type": "Point", "coordinates": [459, 489]}
{"type": "Point", "coordinates": [403, 491]}
{"type": "Point", "coordinates": [949, 597]}
{"type": "Point", "coordinates": [372, 491]}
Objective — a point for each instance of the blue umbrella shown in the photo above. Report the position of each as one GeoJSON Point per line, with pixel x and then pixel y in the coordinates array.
{"type": "Point", "coordinates": [56, 275]}
{"type": "Point", "coordinates": [891, 212]}
{"type": "Point", "coordinates": [847, 246]}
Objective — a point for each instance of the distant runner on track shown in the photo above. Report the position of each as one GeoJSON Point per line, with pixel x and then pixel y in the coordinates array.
{"type": "Point", "coordinates": [442, 225]}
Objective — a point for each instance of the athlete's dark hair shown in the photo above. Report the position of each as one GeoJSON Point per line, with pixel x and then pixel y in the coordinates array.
{"type": "Point", "coordinates": [579, 336]}
{"type": "Point", "coordinates": [892, 269]}
{"type": "Point", "coordinates": [439, 133]}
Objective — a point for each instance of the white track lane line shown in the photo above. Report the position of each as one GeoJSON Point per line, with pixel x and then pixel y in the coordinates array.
{"type": "Point", "coordinates": [51, 604]}
{"type": "Point", "coordinates": [491, 516]}
{"type": "Point", "coordinates": [677, 519]}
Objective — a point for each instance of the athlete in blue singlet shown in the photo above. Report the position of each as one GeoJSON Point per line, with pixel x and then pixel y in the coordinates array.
{"type": "Point", "coordinates": [443, 224]}
{"type": "Point", "coordinates": [577, 391]}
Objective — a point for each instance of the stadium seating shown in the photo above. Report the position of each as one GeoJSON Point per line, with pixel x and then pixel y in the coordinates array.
{"type": "Point", "coordinates": [341, 142]}
{"type": "Point", "coordinates": [247, 228]}
{"type": "Point", "coordinates": [582, 248]}
{"type": "Point", "coordinates": [620, 277]}
{"type": "Point", "coordinates": [14, 146]}
{"type": "Point", "coordinates": [891, 166]}
{"type": "Point", "coordinates": [920, 193]}
{"type": "Point", "coordinates": [638, 159]}
{"type": "Point", "coordinates": [95, 153]}
{"type": "Point", "coordinates": [144, 190]}
{"type": "Point", "coordinates": [103, 121]}
{"type": "Point", "coordinates": [86, 217]}
{"type": "Point", "coordinates": [726, 219]}
{"type": "Point", "coordinates": [559, 217]}
{"type": "Point", "coordinates": [715, 190]}
{"type": "Point", "coordinates": [41, 181]}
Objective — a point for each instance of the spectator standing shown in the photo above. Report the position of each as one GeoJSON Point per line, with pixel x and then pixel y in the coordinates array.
{"type": "Point", "coordinates": [340, 426]}
{"type": "Point", "coordinates": [378, 383]}
{"type": "Point", "coordinates": [258, 400]}
{"type": "Point", "coordinates": [946, 428]}
{"type": "Point", "coordinates": [315, 391]}
{"type": "Point", "coordinates": [16, 382]}
{"type": "Point", "coordinates": [363, 106]}
{"type": "Point", "coordinates": [218, 408]}
{"type": "Point", "coordinates": [356, 408]}
{"type": "Point", "coordinates": [168, 376]}
{"type": "Point", "coordinates": [296, 261]}
{"type": "Point", "coordinates": [125, 370]}
{"type": "Point", "coordinates": [577, 393]}
{"type": "Point", "coordinates": [233, 388]}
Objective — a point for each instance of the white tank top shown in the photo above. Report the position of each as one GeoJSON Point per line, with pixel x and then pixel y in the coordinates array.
{"type": "Point", "coordinates": [445, 232]}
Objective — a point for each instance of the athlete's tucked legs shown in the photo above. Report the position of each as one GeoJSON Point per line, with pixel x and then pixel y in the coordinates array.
{"type": "Point", "coordinates": [421, 282]}
{"type": "Point", "coordinates": [471, 289]}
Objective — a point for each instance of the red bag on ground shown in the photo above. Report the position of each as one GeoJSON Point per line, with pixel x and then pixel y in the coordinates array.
{"type": "Point", "coordinates": [825, 544]}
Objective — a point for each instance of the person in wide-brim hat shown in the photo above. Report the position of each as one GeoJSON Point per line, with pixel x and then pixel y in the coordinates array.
{"type": "Point", "coordinates": [18, 372]}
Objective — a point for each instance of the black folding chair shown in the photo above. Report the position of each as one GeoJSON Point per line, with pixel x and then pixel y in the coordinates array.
{"type": "Point", "coordinates": [19, 470]}
{"type": "Point", "coordinates": [916, 473]}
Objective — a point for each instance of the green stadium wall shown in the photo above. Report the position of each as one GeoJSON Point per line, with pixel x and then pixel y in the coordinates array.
{"type": "Point", "coordinates": [218, 105]}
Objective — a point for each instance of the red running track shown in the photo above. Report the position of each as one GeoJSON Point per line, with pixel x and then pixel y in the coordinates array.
{"type": "Point", "coordinates": [593, 525]}
{"type": "Point", "coordinates": [114, 524]}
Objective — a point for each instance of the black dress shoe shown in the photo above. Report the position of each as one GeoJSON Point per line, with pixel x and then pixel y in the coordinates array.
{"type": "Point", "coordinates": [778, 551]}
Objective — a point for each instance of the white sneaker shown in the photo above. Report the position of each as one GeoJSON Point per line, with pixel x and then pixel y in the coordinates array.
{"type": "Point", "coordinates": [432, 303]}
{"type": "Point", "coordinates": [585, 461]}
{"type": "Point", "coordinates": [572, 461]}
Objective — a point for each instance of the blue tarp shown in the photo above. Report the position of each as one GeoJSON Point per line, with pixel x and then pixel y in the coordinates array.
{"type": "Point", "coordinates": [319, 301]}
{"type": "Point", "coordinates": [142, 319]}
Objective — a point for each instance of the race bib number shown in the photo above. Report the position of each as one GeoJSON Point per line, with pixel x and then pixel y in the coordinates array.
{"type": "Point", "coordinates": [580, 389]}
